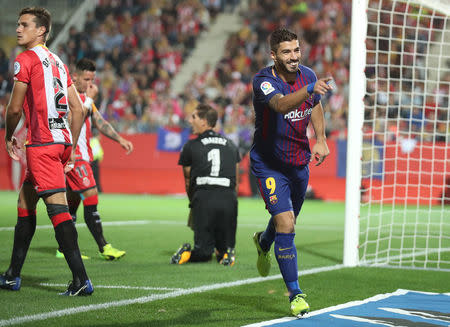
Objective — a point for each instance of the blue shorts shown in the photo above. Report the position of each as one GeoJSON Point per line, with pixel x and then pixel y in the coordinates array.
{"type": "Point", "coordinates": [282, 188]}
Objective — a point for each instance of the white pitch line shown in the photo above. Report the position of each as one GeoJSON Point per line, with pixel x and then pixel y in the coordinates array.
{"type": "Point", "coordinates": [145, 288]}
{"type": "Point", "coordinates": [106, 223]}
{"type": "Point", "coordinates": [170, 222]}
{"type": "Point", "coordinates": [153, 297]}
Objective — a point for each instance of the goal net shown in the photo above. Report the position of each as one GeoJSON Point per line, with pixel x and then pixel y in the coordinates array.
{"type": "Point", "coordinates": [403, 152]}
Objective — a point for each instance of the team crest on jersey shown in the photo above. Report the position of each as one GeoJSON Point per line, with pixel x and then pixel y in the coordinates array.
{"type": "Point", "coordinates": [86, 181]}
{"type": "Point", "coordinates": [266, 87]}
{"type": "Point", "coordinates": [273, 199]}
{"type": "Point", "coordinates": [16, 67]}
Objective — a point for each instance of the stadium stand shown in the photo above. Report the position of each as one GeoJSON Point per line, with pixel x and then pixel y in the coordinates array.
{"type": "Point", "coordinates": [140, 46]}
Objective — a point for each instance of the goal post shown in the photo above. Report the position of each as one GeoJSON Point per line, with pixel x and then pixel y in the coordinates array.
{"type": "Point", "coordinates": [354, 135]}
{"type": "Point", "coordinates": [398, 153]}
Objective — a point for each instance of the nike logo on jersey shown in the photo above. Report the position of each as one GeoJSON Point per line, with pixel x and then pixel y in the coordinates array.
{"type": "Point", "coordinates": [284, 249]}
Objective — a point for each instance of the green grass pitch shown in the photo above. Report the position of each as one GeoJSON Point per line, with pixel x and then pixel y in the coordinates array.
{"type": "Point", "coordinates": [143, 289]}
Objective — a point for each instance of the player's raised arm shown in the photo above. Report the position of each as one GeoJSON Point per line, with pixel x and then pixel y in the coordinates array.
{"type": "Point", "coordinates": [287, 103]}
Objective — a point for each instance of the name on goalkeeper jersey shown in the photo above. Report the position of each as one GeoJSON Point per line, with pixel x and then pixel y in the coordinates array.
{"type": "Point", "coordinates": [214, 140]}
{"type": "Point", "coordinates": [298, 114]}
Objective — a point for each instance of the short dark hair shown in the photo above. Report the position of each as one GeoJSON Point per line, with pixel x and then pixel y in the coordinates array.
{"type": "Point", "coordinates": [85, 64]}
{"type": "Point", "coordinates": [205, 111]}
{"type": "Point", "coordinates": [42, 17]}
{"type": "Point", "coordinates": [281, 34]}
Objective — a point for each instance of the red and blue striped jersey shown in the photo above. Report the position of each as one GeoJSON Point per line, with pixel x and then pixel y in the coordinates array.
{"type": "Point", "coordinates": [282, 137]}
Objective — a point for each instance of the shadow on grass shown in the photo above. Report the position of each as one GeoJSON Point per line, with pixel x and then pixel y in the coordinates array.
{"type": "Point", "coordinates": [310, 248]}
{"type": "Point", "coordinates": [252, 303]}
{"type": "Point", "coordinates": [168, 253]}
{"type": "Point", "coordinates": [208, 317]}
{"type": "Point", "coordinates": [45, 249]}
{"type": "Point", "coordinates": [34, 281]}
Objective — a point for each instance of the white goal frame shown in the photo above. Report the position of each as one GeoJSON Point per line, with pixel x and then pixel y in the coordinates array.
{"type": "Point", "coordinates": [356, 120]}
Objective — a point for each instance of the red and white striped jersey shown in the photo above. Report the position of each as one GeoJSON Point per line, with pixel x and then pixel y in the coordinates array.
{"type": "Point", "coordinates": [46, 102]}
{"type": "Point", "coordinates": [84, 151]}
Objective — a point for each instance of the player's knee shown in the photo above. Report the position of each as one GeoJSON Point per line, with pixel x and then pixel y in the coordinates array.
{"type": "Point", "coordinates": [27, 198]}
{"type": "Point", "coordinates": [55, 209]}
{"type": "Point", "coordinates": [73, 200]}
{"type": "Point", "coordinates": [285, 229]}
{"type": "Point", "coordinates": [90, 200]}
{"type": "Point", "coordinates": [58, 213]}
{"type": "Point", "coordinates": [285, 222]}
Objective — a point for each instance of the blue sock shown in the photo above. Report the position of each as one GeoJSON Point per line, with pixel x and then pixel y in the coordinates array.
{"type": "Point", "coordinates": [286, 255]}
{"type": "Point", "coordinates": [268, 236]}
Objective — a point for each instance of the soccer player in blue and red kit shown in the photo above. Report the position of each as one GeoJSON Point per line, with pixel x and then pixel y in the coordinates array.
{"type": "Point", "coordinates": [286, 97]}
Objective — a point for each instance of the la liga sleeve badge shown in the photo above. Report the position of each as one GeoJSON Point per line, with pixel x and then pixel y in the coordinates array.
{"type": "Point", "coordinates": [16, 67]}
{"type": "Point", "coordinates": [267, 88]}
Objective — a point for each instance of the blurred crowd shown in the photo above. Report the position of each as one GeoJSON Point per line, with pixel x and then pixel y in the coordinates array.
{"type": "Point", "coordinates": [139, 45]}
{"type": "Point", "coordinates": [398, 81]}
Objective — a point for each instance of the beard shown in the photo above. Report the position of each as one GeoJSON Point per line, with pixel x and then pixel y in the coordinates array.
{"type": "Point", "coordinates": [290, 67]}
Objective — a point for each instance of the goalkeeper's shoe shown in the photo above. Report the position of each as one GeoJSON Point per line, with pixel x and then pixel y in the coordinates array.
{"type": "Point", "coordinates": [182, 255]}
{"type": "Point", "coordinates": [79, 290]}
{"type": "Point", "coordinates": [299, 306]}
{"type": "Point", "coordinates": [60, 255]}
{"type": "Point", "coordinates": [110, 253]}
{"type": "Point", "coordinates": [229, 258]}
{"type": "Point", "coordinates": [264, 258]}
{"type": "Point", "coordinates": [10, 283]}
